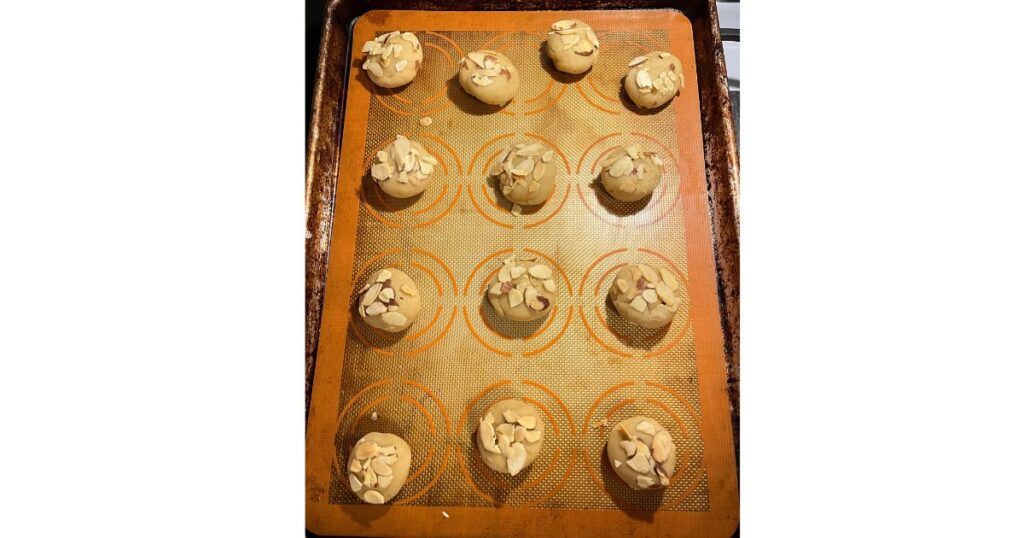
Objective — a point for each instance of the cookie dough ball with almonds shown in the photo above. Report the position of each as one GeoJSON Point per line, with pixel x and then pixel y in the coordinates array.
{"type": "Point", "coordinates": [393, 59]}
{"type": "Point", "coordinates": [378, 466]}
{"type": "Point", "coordinates": [489, 76]}
{"type": "Point", "coordinates": [642, 453]}
{"type": "Point", "coordinates": [523, 290]}
{"type": "Point", "coordinates": [644, 296]}
{"type": "Point", "coordinates": [631, 173]}
{"type": "Point", "coordinates": [572, 46]}
{"type": "Point", "coordinates": [654, 79]}
{"type": "Point", "coordinates": [403, 169]}
{"type": "Point", "coordinates": [390, 301]}
{"type": "Point", "coordinates": [525, 173]}
{"type": "Point", "coordinates": [510, 436]}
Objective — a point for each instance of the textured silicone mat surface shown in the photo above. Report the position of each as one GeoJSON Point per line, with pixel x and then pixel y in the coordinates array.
{"type": "Point", "coordinates": [582, 365]}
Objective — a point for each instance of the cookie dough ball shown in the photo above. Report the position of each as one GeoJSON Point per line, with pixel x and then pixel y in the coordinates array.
{"type": "Point", "coordinates": [523, 290]}
{"type": "Point", "coordinates": [489, 76]}
{"type": "Point", "coordinates": [390, 301]}
{"type": "Point", "coordinates": [630, 174]}
{"type": "Point", "coordinates": [654, 79]}
{"type": "Point", "coordinates": [525, 173]}
{"type": "Point", "coordinates": [572, 46]}
{"type": "Point", "coordinates": [642, 453]}
{"type": "Point", "coordinates": [403, 168]}
{"type": "Point", "coordinates": [393, 59]}
{"type": "Point", "coordinates": [510, 435]}
{"type": "Point", "coordinates": [378, 466]}
{"type": "Point", "coordinates": [644, 296]}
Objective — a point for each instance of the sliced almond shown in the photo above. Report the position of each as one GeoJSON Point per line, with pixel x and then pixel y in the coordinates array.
{"type": "Point", "coordinates": [629, 447]}
{"type": "Point", "coordinates": [641, 171]}
{"type": "Point", "coordinates": [505, 445]}
{"type": "Point", "coordinates": [387, 294]}
{"type": "Point", "coordinates": [380, 467]}
{"type": "Point", "coordinates": [662, 476]}
{"type": "Point", "coordinates": [540, 271]}
{"type": "Point", "coordinates": [662, 446]}
{"type": "Point", "coordinates": [376, 309]}
{"type": "Point", "coordinates": [549, 286]}
{"type": "Point", "coordinates": [639, 304]}
{"type": "Point", "coordinates": [384, 276]}
{"type": "Point", "coordinates": [517, 209]}
{"type": "Point", "coordinates": [649, 274]}
{"type": "Point", "coordinates": [354, 483]}
{"type": "Point", "coordinates": [532, 436]}
{"type": "Point", "coordinates": [388, 460]}
{"type": "Point", "coordinates": [504, 154]}
{"type": "Point", "coordinates": [380, 171]}
{"type": "Point", "coordinates": [529, 150]}
{"type": "Point", "coordinates": [504, 274]}
{"type": "Point", "coordinates": [530, 295]}
{"type": "Point", "coordinates": [539, 169]}
{"type": "Point", "coordinates": [656, 160]}
{"type": "Point", "coordinates": [644, 481]}
{"type": "Point", "coordinates": [563, 25]}
{"type": "Point", "coordinates": [517, 460]}
{"type": "Point", "coordinates": [410, 37]}
{"type": "Point", "coordinates": [618, 464]}
{"type": "Point", "coordinates": [633, 151]}
{"type": "Point", "coordinates": [373, 497]}
{"type": "Point", "coordinates": [639, 463]}
{"type": "Point", "coordinates": [506, 189]}
{"type": "Point", "coordinates": [366, 450]}
{"type": "Point", "coordinates": [622, 285]}
{"type": "Point", "coordinates": [622, 166]}
{"type": "Point", "coordinates": [400, 65]}
{"type": "Point", "coordinates": [528, 422]}
{"type": "Point", "coordinates": [395, 319]}
{"type": "Point", "coordinates": [408, 290]}
{"type": "Point", "coordinates": [369, 477]}
{"type": "Point", "coordinates": [371, 294]}
{"type": "Point", "coordinates": [368, 46]}
{"type": "Point", "coordinates": [487, 437]}
{"type": "Point", "coordinates": [495, 289]}
{"type": "Point", "coordinates": [650, 296]}
{"type": "Point", "coordinates": [547, 155]}
{"type": "Point", "coordinates": [384, 481]}
{"type": "Point", "coordinates": [516, 271]}
{"type": "Point", "coordinates": [387, 450]}
{"type": "Point", "coordinates": [374, 68]}
{"type": "Point", "coordinates": [355, 467]}
{"type": "Point", "coordinates": [477, 57]}
{"type": "Point", "coordinates": [510, 415]}
{"type": "Point", "coordinates": [646, 427]}
{"type": "Point", "coordinates": [642, 449]}
{"type": "Point", "coordinates": [670, 280]}
{"type": "Point", "coordinates": [637, 61]}
{"type": "Point", "coordinates": [665, 292]}
{"type": "Point", "coordinates": [643, 79]}
{"type": "Point", "coordinates": [524, 168]}
{"type": "Point", "coordinates": [481, 80]}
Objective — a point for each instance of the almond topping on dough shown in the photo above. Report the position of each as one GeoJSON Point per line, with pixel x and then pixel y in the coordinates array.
{"type": "Point", "coordinates": [637, 61]}
{"type": "Point", "coordinates": [373, 497]}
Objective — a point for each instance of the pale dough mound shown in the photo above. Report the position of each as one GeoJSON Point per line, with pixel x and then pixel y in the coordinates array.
{"type": "Point", "coordinates": [525, 173]}
{"type": "Point", "coordinates": [645, 296]}
{"type": "Point", "coordinates": [642, 453]}
{"type": "Point", "coordinates": [390, 301]}
{"type": "Point", "coordinates": [630, 174]}
{"type": "Point", "coordinates": [403, 169]}
{"type": "Point", "coordinates": [378, 466]}
{"type": "Point", "coordinates": [510, 436]}
{"type": "Point", "coordinates": [654, 79]}
{"type": "Point", "coordinates": [572, 46]}
{"type": "Point", "coordinates": [489, 76]}
{"type": "Point", "coordinates": [523, 290]}
{"type": "Point", "coordinates": [393, 59]}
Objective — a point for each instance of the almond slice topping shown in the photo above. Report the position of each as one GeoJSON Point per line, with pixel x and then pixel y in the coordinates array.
{"type": "Point", "coordinates": [510, 415]}
{"type": "Point", "coordinates": [540, 271]}
{"type": "Point", "coordinates": [528, 422]}
{"type": "Point", "coordinates": [639, 304]}
{"type": "Point", "coordinates": [354, 483]}
{"type": "Point", "coordinates": [621, 167]}
{"type": "Point", "coordinates": [373, 497]}
{"type": "Point", "coordinates": [637, 61]}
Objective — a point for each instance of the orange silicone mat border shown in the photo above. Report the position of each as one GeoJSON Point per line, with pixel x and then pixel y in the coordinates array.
{"type": "Point", "coordinates": [716, 430]}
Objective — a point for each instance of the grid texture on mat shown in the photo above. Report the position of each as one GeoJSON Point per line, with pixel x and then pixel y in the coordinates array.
{"type": "Point", "coordinates": [582, 365]}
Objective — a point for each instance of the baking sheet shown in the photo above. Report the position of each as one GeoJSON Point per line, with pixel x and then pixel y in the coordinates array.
{"type": "Point", "coordinates": [581, 365]}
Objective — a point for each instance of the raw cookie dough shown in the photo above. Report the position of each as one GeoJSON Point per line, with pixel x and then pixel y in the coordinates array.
{"type": "Point", "coordinates": [403, 169]}
{"type": "Point", "coordinates": [642, 453]}
{"type": "Point", "coordinates": [523, 290]}
{"type": "Point", "coordinates": [630, 174]}
{"type": "Point", "coordinates": [509, 436]}
{"type": "Point", "coordinates": [393, 59]}
{"type": "Point", "coordinates": [645, 296]}
{"type": "Point", "coordinates": [654, 79]}
{"type": "Point", "coordinates": [572, 46]}
{"type": "Point", "coordinates": [390, 301]}
{"type": "Point", "coordinates": [489, 76]}
{"type": "Point", "coordinates": [525, 173]}
{"type": "Point", "coordinates": [378, 466]}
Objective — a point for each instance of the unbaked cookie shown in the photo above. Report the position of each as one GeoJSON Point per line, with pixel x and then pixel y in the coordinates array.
{"type": "Point", "coordinates": [378, 466]}
{"type": "Point", "coordinates": [523, 290]}
{"type": "Point", "coordinates": [390, 301]}
{"type": "Point", "coordinates": [572, 46]}
{"type": "Point", "coordinates": [510, 436]}
{"type": "Point", "coordinates": [654, 79]}
{"type": "Point", "coordinates": [631, 173]}
{"type": "Point", "coordinates": [489, 76]}
{"type": "Point", "coordinates": [642, 453]}
{"type": "Point", "coordinates": [393, 59]}
{"type": "Point", "coordinates": [525, 173]}
{"type": "Point", "coordinates": [403, 169]}
{"type": "Point", "coordinates": [645, 296]}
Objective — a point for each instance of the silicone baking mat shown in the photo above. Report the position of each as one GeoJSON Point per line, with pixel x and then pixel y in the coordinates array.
{"type": "Point", "coordinates": [582, 365]}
